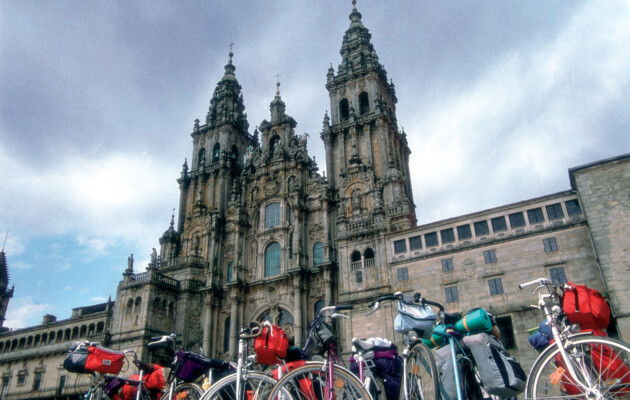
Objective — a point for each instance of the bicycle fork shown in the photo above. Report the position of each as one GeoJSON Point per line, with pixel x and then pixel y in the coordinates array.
{"type": "Point", "coordinates": [451, 343]}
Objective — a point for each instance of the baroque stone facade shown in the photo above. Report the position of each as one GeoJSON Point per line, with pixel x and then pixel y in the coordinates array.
{"type": "Point", "coordinates": [260, 234]}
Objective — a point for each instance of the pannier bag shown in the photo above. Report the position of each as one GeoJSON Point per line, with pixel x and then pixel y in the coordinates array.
{"type": "Point", "coordinates": [305, 386]}
{"type": "Point", "coordinates": [271, 344]}
{"type": "Point", "coordinates": [319, 336]}
{"type": "Point", "coordinates": [607, 363]}
{"type": "Point", "coordinates": [414, 317]}
{"type": "Point", "coordinates": [76, 358]}
{"type": "Point", "coordinates": [190, 366]}
{"type": "Point", "coordinates": [154, 382]}
{"type": "Point", "coordinates": [444, 364]}
{"type": "Point", "coordinates": [103, 360]}
{"type": "Point", "coordinates": [500, 373]}
{"type": "Point", "coordinates": [586, 307]}
{"type": "Point", "coordinates": [387, 366]}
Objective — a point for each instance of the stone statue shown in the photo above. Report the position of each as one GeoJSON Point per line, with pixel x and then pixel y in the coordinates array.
{"type": "Point", "coordinates": [154, 256]}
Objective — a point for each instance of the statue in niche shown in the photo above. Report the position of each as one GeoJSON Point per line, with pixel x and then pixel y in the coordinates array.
{"type": "Point", "coordinates": [356, 200]}
{"type": "Point", "coordinates": [154, 256]}
{"type": "Point", "coordinates": [293, 184]}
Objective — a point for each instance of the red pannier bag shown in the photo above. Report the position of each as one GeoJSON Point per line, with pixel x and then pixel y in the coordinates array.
{"type": "Point", "coordinates": [606, 362]}
{"type": "Point", "coordinates": [103, 360]}
{"type": "Point", "coordinates": [154, 382]}
{"type": "Point", "coordinates": [307, 391]}
{"type": "Point", "coordinates": [586, 307]}
{"type": "Point", "coordinates": [271, 344]}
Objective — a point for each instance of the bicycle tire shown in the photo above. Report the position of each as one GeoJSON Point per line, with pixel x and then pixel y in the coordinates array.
{"type": "Point", "coordinates": [256, 386]}
{"type": "Point", "coordinates": [420, 375]}
{"type": "Point", "coordinates": [610, 379]}
{"type": "Point", "coordinates": [185, 391]}
{"type": "Point", "coordinates": [309, 383]}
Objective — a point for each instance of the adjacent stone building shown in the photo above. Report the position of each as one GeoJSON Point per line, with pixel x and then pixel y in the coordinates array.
{"type": "Point", "coordinates": [260, 234]}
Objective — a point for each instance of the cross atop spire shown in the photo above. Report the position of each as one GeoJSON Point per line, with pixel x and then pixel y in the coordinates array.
{"type": "Point", "coordinates": [231, 54]}
{"type": "Point", "coordinates": [278, 85]}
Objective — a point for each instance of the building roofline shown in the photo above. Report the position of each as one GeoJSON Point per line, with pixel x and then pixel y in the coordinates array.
{"type": "Point", "coordinates": [574, 170]}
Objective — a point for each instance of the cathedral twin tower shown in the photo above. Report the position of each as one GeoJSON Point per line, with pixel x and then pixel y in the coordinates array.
{"type": "Point", "coordinates": [260, 234]}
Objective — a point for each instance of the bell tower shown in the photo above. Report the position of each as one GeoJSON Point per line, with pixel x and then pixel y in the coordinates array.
{"type": "Point", "coordinates": [367, 156]}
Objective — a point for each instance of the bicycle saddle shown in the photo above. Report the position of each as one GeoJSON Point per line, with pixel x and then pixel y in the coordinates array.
{"type": "Point", "coordinates": [451, 318]}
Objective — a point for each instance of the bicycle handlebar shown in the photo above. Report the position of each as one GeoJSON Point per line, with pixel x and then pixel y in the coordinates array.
{"type": "Point", "coordinates": [537, 282]}
{"type": "Point", "coordinates": [254, 330]}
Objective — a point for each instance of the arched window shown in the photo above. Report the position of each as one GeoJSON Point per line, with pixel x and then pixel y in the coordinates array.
{"type": "Point", "coordinates": [201, 158]}
{"type": "Point", "coordinates": [137, 305]}
{"type": "Point", "coordinates": [344, 109]}
{"type": "Point", "coordinates": [273, 144]}
{"type": "Point", "coordinates": [285, 318]}
{"type": "Point", "coordinates": [129, 308]}
{"type": "Point", "coordinates": [355, 260]}
{"type": "Point", "coordinates": [272, 215]}
{"type": "Point", "coordinates": [318, 306]}
{"type": "Point", "coordinates": [216, 153]}
{"type": "Point", "coordinates": [364, 103]}
{"type": "Point", "coordinates": [226, 333]}
{"type": "Point", "coordinates": [272, 259]}
{"type": "Point", "coordinates": [368, 254]}
{"type": "Point", "coordinates": [229, 271]}
{"type": "Point", "coordinates": [318, 253]}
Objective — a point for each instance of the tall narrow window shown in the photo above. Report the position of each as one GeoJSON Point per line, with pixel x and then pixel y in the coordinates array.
{"type": "Point", "coordinates": [496, 286]}
{"type": "Point", "coordinates": [355, 260]}
{"type": "Point", "coordinates": [358, 276]}
{"type": "Point", "coordinates": [364, 103]}
{"type": "Point", "coordinates": [318, 253]}
{"type": "Point", "coordinates": [272, 215]}
{"type": "Point", "coordinates": [452, 295]}
{"type": "Point", "coordinates": [344, 109]}
{"type": "Point", "coordinates": [403, 274]}
{"type": "Point", "coordinates": [37, 380]}
{"type": "Point", "coordinates": [489, 256]}
{"type": "Point", "coordinates": [230, 271]}
{"type": "Point", "coordinates": [201, 158]}
{"type": "Point", "coordinates": [368, 256]}
{"type": "Point", "coordinates": [272, 259]}
{"type": "Point", "coordinates": [550, 244]}
{"type": "Point", "coordinates": [226, 335]}
{"type": "Point", "coordinates": [447, 265]}
{"type": "Point", "coordinates": [216, 153]}
{"type": "Point", "coordinates": [507, 331]}
{"type": "Point", "coordinates": [558, 276]}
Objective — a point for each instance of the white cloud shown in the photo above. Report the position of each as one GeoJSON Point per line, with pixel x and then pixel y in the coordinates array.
{"type": "Point", "coordinates": [23, 312]}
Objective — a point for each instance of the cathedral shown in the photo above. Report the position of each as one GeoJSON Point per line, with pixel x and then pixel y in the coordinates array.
{"type": "Point", "coordinates": [260, 234]}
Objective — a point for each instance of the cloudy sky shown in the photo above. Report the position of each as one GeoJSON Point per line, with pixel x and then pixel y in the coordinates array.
{"type": "Point", "coordinates": [98, 99]}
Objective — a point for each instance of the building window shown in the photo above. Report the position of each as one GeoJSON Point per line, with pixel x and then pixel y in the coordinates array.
{"type": "Point", "coordinates": [358, 276]}
{"type": "Point", "coordinates": [272, 215]}
{"type": "Point", "coordinates": [517, 220]}
{"type": "Point", "coordinates": [498, 224]}
{"type": "Point", "coordinates": [447, 265]}
{"type": "Point", "coordinates": [272, 259]}
{"type": "Point", "coordinates": [226, 335]}
{"type": "Point", "coordinates": [554, 211]}
{"type": "Point", "coordinates": [368, 257]}
{"type": "Point", "coordinates": [448, 235]}
{"type": "Point", "coordinates": [489, 256]}
{"type": "Point", "coordinates": [318, 253]}
{"type": "Point", "coordinates": [318, 306]}
{"type": "Point", "coordinates": [507, 331]}
{"type": "Point", "coordinates": [344, 109]}
{"type": "Point", "coordinates": [481, 228]}
{"type": "Point", "coordinates": [496, 286]}
{"type": "Point", "coordinates": [550, 244]}
{"type": "Point", "coordinates": [403, 274]}
{"type": "Point", "coordinates": [201, 158]}
{"type": "Point", "coordinates": [5, 385]}
{"type": "Point", "coordinates": [535, 216]}
{"type": "Point", "coordinates": [451, 294]}
{"type": "Point", "coordinates": [400, 246]}
{"type": "Point", "coordinates": [21, 378]}
{"type": "Point", "coordinates": [573, 207]}
{"type": "Point", "coordinates": [229, 271]}
{"type": "Point", "coordinates": [415, 243]}
{"type": "Point", "coordinates": [216, 153]}
{"type": "Point", "coordinates": [37, 380]}
{"type": "Point", "coordinates": [431, 239]}
{"type": "Point", "coordinates": [464, 232]}
{"type": "Point", "coordinates": [558, 276]}
{"type": "Point", "coordinates": [364, 103]}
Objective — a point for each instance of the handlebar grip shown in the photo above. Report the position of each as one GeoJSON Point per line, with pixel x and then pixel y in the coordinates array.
{"type": "Point", "coordinates": [342, 307]}
{"type": "Point", "coordinates": [433, 303]}
{"type": "Point", "coordinates": [538, 281]}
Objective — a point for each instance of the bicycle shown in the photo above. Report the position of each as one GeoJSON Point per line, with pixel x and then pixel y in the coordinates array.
{"type": "Point", "coordinates": [577, 365]}
{"type": "Point", "coordinates": [419, 372]}
{"type": "Point", "coordinates": [244, 382]}
{"type": "Point", "coordinates": [321, 380]}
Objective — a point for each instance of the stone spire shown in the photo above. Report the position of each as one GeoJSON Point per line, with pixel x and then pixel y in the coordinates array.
{"type": "Point", "coordinates": [277, 106]}
{"type": "Point", "coordinates": [226, 105]}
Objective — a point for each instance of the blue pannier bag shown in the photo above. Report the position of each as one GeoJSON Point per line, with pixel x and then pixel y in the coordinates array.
{"type": "Point", "coordinates": [538, 341]}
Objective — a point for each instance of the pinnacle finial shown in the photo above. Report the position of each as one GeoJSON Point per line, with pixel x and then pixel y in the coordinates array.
{"type": "Point", "coordinates": [278, 85]}
{"type": "Point", "coordinates": [231, 54]}
{"type": "Point", "coordinates": [354, 5]}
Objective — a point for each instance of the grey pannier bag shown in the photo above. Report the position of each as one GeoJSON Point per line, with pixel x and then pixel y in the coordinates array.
{"type": "Point", "coordinates": [500, 373]}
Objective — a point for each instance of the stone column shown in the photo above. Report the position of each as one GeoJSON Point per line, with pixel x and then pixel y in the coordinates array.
{"type": "Point", "coordinates": [328, 286]}
{"type": "Point", "coordinates": [233, 325]}
{"type": "Point", "coordinates": [330, 167]}
{"type": "Point", "coordinates": [207, 328]}
{"type": "Point", "coordinates": [297, 310]}
{"type": "Point", "coordinates": [368, 144]}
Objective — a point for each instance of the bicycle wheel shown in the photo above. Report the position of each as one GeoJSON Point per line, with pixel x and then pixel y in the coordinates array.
{"type": "Point", "coordinates": [256, 386]}
{"type": "Point", "coordinates": [185, 391]}
{"type": "Point", "coordinates": [602, 365]}
{"type": "Point", "coordinates": [420, 375]}
{"type": "Point", "coordinates": [309, 383]}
